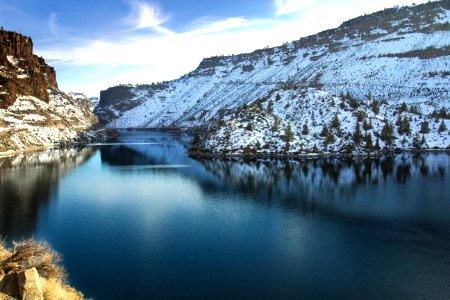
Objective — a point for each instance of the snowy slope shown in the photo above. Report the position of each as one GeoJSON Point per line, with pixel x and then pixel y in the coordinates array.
{"type": "Point", "coordinates": [398, 55]}
{"type": "Point", "coordinates": [31, 123]}
{"type": "Point", "coordinates": [261, 128]}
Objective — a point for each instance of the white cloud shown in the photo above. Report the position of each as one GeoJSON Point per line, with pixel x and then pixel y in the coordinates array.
{"type": "Point", "coordinates": [147, 16]}
{"type": "Point", "coordinates": [143, 57]}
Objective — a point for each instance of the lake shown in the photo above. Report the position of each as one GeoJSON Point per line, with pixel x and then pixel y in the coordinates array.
{"type": "Point", "coordinates": [138, 219]}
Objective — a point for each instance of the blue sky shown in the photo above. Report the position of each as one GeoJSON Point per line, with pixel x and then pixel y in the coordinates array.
{"type": "Point", "coordinates": [100, 43]}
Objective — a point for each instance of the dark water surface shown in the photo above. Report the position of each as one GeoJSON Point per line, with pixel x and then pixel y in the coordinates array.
{"type": "Point", "coordinates": [143, 221]}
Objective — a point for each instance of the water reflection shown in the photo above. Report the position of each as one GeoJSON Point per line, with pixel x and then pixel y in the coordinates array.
{"type": "Point", "coordinates": [359, 188]}
{"type": "Point", "coordinates": [27, 183]}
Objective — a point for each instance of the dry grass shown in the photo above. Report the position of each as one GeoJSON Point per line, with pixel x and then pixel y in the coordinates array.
{"type": "Point", "coordinates": [28, 254]}
{"type": "Point", "coordinates": [55, 289]}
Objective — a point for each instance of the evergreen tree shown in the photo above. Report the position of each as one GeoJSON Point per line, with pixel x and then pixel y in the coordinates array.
{"type": "Point", "coordinates": [376, 107]}
{"type": "Point", "coordinates": [357, 135]}
{"type": "Point", "coordinates": [367, 126]}
{"type": "Point", "coordinates": [442, 127]}
{"type": "Point", "coordinates": [424, 127]}
{"type": "Point", "coordinates": [423, 142]}
{"type": "Point", "coordinates": [403, 126]}
{"type": "Point", "coordinates": [325, 131]}
{"type": "Point", "coordinates": [249, 126]}
{"type": "Point", "coordinates": [288, 133]}
{"type": "Point", "coordinates": [416, 142]}
{"type": "Point", "coordinates": [387, 134]}
{"type": "Point", "coordinates": [315, 149]}
{"type": "Point", "coordinates": [368, 140]}
{"type": "Point", "coordinates": [443, 113]}
{"type": "Point", "coordinates": [305, 130]}
{"type": "Point", "coordinates": [270, 106]}
{"type": "Point", "coordinates": [335, 123]}
{"type": "Point", "coordinates": [403, 107]}
{"type": "Point", "coordinates": [330, 138]}
{"type": "Point", "coordinates": [377, 145]}
{"type": "Point", "coordinates": [348, 96]}
{"type": "Point", "coordinates": [276, 124]}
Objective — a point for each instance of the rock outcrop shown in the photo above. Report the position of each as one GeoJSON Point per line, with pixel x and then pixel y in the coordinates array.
{"type": "Point", "coordinates": [34, 113]}
{"type": "Point", "coordinates": [30, 271]}
{"type": "Point", "coordinates": [21, 72]}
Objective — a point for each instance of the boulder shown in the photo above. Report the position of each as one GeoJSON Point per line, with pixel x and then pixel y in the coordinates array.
{"type": "Point", "coordinates": [30, 285]}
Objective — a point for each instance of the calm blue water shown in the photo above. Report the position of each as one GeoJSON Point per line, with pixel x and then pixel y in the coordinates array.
{"type": "Point", "coordinates": [141, 220]}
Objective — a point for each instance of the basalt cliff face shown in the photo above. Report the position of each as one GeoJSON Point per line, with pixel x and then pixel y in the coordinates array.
{"type": "Point", "coordinates": [21, 72]}
{"type": "Point", "coordinates": [34, 113]}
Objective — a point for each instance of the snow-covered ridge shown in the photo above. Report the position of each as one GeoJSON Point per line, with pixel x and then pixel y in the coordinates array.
{"type": "Point", "coordinates": [398, 55]}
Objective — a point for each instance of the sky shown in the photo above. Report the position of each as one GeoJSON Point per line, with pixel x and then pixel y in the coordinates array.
{"type": "Point", "coordinates": [96, 44]}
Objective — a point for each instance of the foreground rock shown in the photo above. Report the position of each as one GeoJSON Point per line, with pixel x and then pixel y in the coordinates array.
{"type": "Point", "coordinates": [31, 271]}
{"type": "Point", "coordinates": [34, 113]}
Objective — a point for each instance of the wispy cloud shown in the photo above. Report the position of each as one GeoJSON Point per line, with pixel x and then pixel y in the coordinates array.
{"type": "Point", "coordinates": [52, 24]}
{"type": "Point", "coordinates": [147, 16]}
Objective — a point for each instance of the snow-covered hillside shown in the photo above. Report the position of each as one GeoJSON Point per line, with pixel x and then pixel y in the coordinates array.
{"type": "Point", "coordinates": [31, 123]}
{"type": "Point", "coordinates": [298, 120]}
{"type": "Point", "coordinates": [398, 55]}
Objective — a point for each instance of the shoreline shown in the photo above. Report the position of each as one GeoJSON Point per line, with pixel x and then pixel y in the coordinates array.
{"type": "Point", "coordinates": [204, 155]}
{"type": "Point", "coordinates": [99, 135]}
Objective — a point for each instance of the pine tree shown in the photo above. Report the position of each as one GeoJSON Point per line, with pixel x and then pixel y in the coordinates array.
{"type": "Point", "coordinates": [387, 134]}
{"type": "Point", "coordinates": [249, 126]}
{"type": "Point", "coordinates": [376, 107]}
{"type": "Point", "coordinates": [403, 107]}
{"type": "Point", "coordinates": [403, 126]}
{"type": "Point", "coordinates": [357, 135]}
{"type": "Point", "coordinates": [325, 131]}
{"type": "Point", "coordinates": [416, 142]}
{"type": "Point", "coordinates": [335, 123]}
{"type": "Point", "coordinates": [330, 138]}
{"type": "Point", "coordinates": [315, 149]}
{"type": "Point", "coordinates": [442, 127]}
{"type": "Point", "coordinates": [423, 141]}
{"type": "Point", "coordinates": [305, 130]}
{"type": "Point", "coordinates": [368, 139]}
{"type": "Point", "coordinates": [270, 106]}
{"type": "Point", "coordinates": [276, 124]}
{"type": "Point", "coordinates": [377, 145]}
{"type": "Point", "coordinates": [288, 133]}
{"type": "Point", "coordinates": [367, 126]}
{"type": "Point", "coordinates": [424, 127]}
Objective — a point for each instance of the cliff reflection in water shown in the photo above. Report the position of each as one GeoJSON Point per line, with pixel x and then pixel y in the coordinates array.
{"type": "Point", "coordinates": [26, 184]}
{"type": "Point", "coordinates": [359, 188]}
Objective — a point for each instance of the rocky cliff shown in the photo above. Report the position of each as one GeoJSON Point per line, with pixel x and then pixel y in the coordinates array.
{"type": "Point", "coordinates": [34, 113]}
{"type": "Point", "coordinates": [21, 72]}
{"type": "Point", "coordinates": [395, 55]}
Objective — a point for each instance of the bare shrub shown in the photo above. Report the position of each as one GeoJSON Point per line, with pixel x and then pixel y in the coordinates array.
{"type": "Point", "coordinates": [28, 254]}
